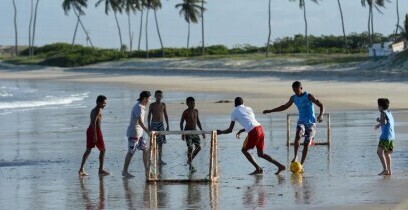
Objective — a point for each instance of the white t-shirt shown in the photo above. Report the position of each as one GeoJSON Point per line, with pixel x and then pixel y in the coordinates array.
{"type": "Point", "coordinates": [134, 129]}
{"type": "Point", "coordinates": [245, 116]}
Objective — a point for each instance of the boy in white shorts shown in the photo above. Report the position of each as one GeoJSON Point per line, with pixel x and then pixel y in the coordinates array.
{"type": "Point", "coordinates": [135, 133]}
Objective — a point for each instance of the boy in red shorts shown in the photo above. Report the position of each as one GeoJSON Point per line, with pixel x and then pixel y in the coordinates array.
{"type": "Point", "coordinates": [94, 136]}
{"type": "Point", "coordinates": [245, 116]}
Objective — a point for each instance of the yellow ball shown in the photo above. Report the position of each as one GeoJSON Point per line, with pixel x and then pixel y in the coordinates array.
{"type": "Point", "coordinates": [296, 167]}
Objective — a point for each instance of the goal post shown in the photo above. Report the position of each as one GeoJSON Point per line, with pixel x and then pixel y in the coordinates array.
{"type": "Point", "coordinates": [321, 142]}
{"type": "Point", "coordinates": [211, 176]}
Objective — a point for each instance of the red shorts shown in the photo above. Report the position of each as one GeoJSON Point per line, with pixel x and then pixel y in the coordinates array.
{"type": "Point", "coordinates": [255, 138]}
{"type": "Point", "coordinates": [100, 144]}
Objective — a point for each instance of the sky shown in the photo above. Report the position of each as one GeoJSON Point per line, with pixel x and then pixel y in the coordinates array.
{"type": "Point", "coordinates": [228, 22]}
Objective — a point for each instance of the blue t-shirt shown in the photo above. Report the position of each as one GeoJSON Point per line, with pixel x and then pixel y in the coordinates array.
{"type": "Point", "coordinates": [306, 108]}
{"type": "Point", "coordinates": [387, 130]}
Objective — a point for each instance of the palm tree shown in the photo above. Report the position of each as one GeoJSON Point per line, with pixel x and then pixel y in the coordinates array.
{"type": "Point", "coordinates": [202, 26]}
{"type": "Point", "coordinates": [116, 6]}
{"type": "Point", "coordinates": [376, 4]}
{"type": "Point", "coordinates": [302, 5]}
{"type": "Point", "coordinates": [191, 10]}
{"type": "Point", "coordinates": [76, 6]}
{"type": "Point", "coordinates": [140, 29]}
{"type": "Point", "coordinates": [342, 23]}
{"type": "Point", "coordinates": [398, 18]}
{"type": "Point", "coordinates": [15, 28]}
{"type": "Point", "coordinates": [130, 6]}
{"type": "Point", "coordinates": [155, 5]}
{"type": "Point", "coordinates": [34, 26]}
{"type": "Point", "coordinates": [270, 29]}
{"type": "Point", "coordinates": [30, 28]}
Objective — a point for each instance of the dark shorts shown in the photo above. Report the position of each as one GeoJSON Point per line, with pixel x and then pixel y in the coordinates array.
{"type": "Point", "coordinates": [90, 133]}
{"type": "Point", "coordinates": [307, 130]}
{"type": "Point", "coordinates": [255, 138]}
{"type": "Point", "coordinates": [386, 145]}
{"type": "Point", "coordinates": [192, 139]}
{"type": "Point", "coordinates": [159, 126]}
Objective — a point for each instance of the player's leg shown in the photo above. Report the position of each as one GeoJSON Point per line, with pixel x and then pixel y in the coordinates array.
{"type": "Point", "coordinates": [380, 153]}
{"type": "Point", "coordinates": [100, 144]}
{"type": "Point", "coordinates": [300, 130]}
{"type": "Point", "coordinates": [84, 158]}
{"type": "Point", "coordinates": [161, 162]}
{"type": "Point", "coordinates": [102, 171]}
{"type": "Point", "coordinates": [310, 132]}
{"type": "Point", "coordinates": [197, 142]}
{"type": "Point", "coordinates": [131, 150]}
{"type": "Point", "coordinates": [260, 146]}
{"type": "Point", "coordinates": [388, 162]}
{"type": "Point", "coordinates": [249, 144]}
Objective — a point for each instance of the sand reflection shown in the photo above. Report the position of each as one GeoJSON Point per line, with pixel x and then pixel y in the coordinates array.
{"type": "Point", "coordinates": [88, 202]}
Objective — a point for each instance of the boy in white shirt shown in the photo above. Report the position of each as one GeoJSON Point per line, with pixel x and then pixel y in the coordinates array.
{"type": "Point", "coordinates": [245, 116]}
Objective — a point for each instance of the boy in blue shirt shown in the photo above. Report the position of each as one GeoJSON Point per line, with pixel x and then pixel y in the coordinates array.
{"type": "Point", "coordinates": [387, 137]}
{"type": "Point", "coordinates": [306, 125]}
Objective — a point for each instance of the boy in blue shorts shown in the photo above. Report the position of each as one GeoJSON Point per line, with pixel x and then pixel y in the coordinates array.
{"type": "Point", "coordinates": [135, 133]}
{"type": "Point", "coordinates": [387, 137]}
{"type": "Point", "coordinates": [157, 114]}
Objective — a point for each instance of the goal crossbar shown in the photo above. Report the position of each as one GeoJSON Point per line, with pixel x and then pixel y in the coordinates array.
{"type": "Point", "coordinates": [213, 175]}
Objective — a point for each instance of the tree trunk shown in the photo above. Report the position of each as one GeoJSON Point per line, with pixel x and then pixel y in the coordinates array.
{"type": "Point", "coordinates": [342, 24]}
{"type": "Point", "coordinates": [270, 29]}
{"type": "Point", "coordinates": [372, 23]}
{"type": "Point", "coordinates": [83, 28]}
{"type": "Point", "coordinates": [130, 33]}
{"type": "Point", "coordinates": [30, 28]}
{"type": "Point", "coordinates": [304, 16]}
{"type": "Point", "coordinates": [76, 28]}
{"type": "Point", "coordinates": [146, 33]}
{"type": "Point", "coordinates": [119, 31]}
{"type": "Point", "coordinates": [34, 25]}
{"type": "Point", "coordinates": [188, 36]}
{"type": "Point", "coordinates": [140, 30]}
{"type": "Point", "coordinates": [398, 20]}
{"type": "Point", "coordinates": [369, 28]}
{"type": "Point", "coordinates": [158, 33]}
{"type": "Point", "coordinates": [202, 28]}
{"type": "Point", "coordinates": [15, 28]}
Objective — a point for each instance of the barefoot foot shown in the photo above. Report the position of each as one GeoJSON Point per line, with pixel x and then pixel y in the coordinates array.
{"type": "Point", "coordinates": [83, 173]}
{"type": "Point", "coordinates": [257, 172]}
{"type": "Point", "coordinates": [103, 173]}
{"type": "Point", "coordinates": [280, 169]}
{"type": "Point", "coordinates": [127, 175]}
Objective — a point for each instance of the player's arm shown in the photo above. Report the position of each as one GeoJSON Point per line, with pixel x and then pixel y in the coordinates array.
{"type": "Point", "coordinates": [140, 120]}
{"type": "Point", "coordinates": [228, 130]}
{"type": "Point", "coordinates": [320, 105]}
{"type": "Point", "coordinates": [199, 123]}
{"type": "Point", "coordinates": [182, 124]}
{"type": "Point", "coordinates": [166, 117]}
{"type": "Point", "coordinates": [94, 121]}
{"type": "Point", "coordinates": [239, 133]}
{"type": "Point", "coordinates": [149, 115]}
{"type": "Point", "coordinates": [382, 120]}
{"type": "Point", "coordinates": [280, 108]}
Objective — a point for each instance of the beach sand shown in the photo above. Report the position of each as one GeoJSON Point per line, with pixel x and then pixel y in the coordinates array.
{"type": "Point", "coordinates": [362, 192]}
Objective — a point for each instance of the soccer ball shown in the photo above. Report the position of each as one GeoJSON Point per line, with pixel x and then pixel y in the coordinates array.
{"type": "Point", "coordinates": [296, 167]}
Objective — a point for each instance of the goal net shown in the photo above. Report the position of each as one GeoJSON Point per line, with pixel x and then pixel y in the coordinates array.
{"type": "Point", "coordinates": [322, 137]}
{"type": "Point", "coordinates": [204, 167]}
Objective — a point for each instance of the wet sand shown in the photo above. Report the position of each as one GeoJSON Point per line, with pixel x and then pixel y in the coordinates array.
{"type": "Point", "coordinates": [41, 149]}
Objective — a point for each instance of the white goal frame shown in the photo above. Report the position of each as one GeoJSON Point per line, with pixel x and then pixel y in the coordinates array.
{"type": "Point", "coordinates": [288, 131]}
{"type": "Point", "coordinates": [213, 175]}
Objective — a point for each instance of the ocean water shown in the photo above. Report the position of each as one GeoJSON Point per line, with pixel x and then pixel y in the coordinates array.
{"type": "Point", "coordinates": [42, 140]}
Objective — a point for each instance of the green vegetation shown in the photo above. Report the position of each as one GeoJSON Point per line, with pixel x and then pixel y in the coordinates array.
{"type": "Point", "coordinates": [323, 49]}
